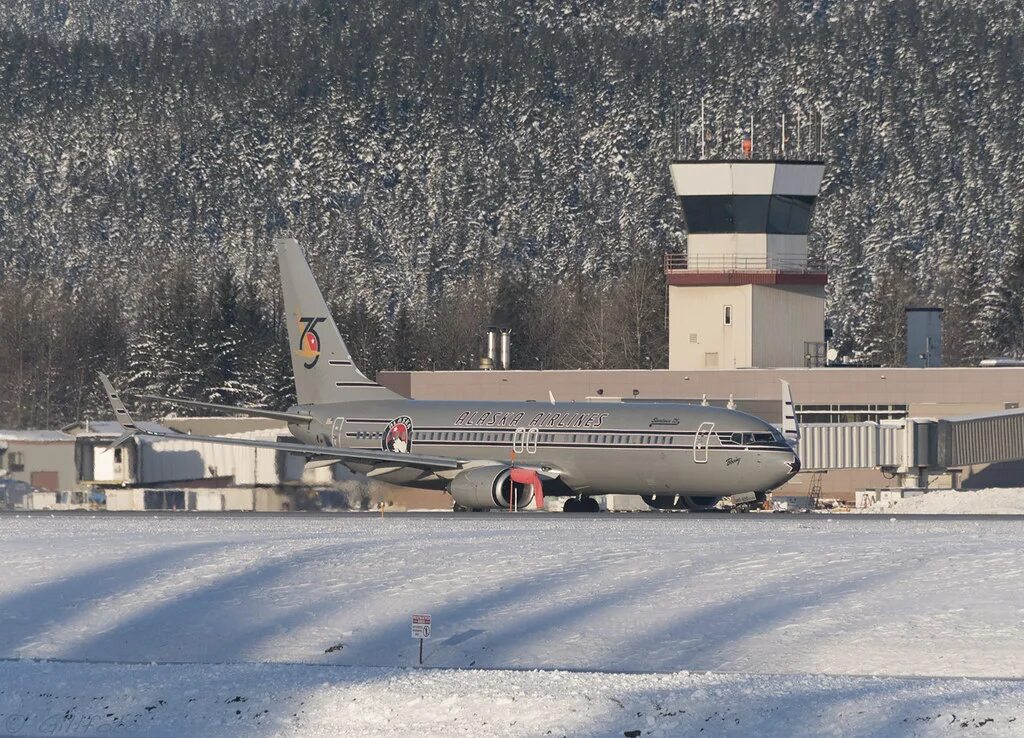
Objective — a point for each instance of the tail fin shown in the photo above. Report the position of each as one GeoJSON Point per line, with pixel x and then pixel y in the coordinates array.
{"type": "Point", "coordinates": [324, 371]}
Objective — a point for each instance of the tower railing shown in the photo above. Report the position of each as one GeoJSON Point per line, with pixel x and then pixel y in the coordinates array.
{"type": "Point", "coordinates": [788, 263]}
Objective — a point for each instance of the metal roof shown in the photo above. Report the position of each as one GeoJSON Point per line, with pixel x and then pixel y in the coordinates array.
{"type": "Point", "coordinates": [35, 436]}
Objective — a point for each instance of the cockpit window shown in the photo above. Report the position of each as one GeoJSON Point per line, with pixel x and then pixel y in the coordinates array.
{"type": "Point", "coordinates": [752, 439]}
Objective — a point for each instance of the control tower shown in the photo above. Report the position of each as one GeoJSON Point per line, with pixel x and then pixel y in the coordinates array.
{"type": "Point", "coordinates": [745, 293]}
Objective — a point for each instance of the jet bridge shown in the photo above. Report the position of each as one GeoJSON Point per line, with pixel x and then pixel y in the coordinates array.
{"type": "Point", "coordinates": [914, 445]}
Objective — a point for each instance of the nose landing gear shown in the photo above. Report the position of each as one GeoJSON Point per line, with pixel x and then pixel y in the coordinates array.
{"type": "Point", "coordinates": [581, 505]}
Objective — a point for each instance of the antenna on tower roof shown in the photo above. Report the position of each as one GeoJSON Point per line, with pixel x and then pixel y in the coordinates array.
{"type": "Point", "coordinates": [675, 130]}
{"type": "Point", "coordinates": [702, 128]}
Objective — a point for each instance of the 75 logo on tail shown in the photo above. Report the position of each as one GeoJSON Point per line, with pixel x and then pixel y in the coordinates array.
{"type": "Point", "coordinates": [309, 341]}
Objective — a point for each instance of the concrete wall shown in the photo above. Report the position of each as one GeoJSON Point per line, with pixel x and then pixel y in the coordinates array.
{"type": "Point", "coordinates": [770, 325]}
{"type": "Point", "coordinates": [948, 391]}
{"type": "Point", "coordinates": [46, 456]}
{"type": "Point", "coordinates": [125, 499]}
{"type": "Point", "coordinates": [697, 327]}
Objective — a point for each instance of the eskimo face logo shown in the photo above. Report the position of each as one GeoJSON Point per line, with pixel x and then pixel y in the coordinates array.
{"type": "Point", "coordinates": [309, 341]}
{"type": "Point", "coordinates": [398, 436]}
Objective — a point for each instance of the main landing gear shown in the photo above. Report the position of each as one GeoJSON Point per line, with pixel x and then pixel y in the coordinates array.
{"type": "Point", "coordinates": [581, 505]}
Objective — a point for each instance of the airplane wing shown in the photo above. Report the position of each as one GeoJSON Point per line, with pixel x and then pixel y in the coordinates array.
{"type": "Point", "coordinates": [320, 453]}
{"type": "Point", "coordinates": [254, 411]}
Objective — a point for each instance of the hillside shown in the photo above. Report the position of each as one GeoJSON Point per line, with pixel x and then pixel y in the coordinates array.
{"type": "Point", "coordinates": [445, 163]}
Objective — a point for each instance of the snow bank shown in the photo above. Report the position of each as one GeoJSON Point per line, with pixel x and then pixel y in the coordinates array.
{"type": "Point", "coordinates": [953, 502]}
{"type": "Point", "coordinates": [309, 700]}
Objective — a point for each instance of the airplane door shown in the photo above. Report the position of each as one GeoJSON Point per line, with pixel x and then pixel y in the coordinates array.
{"type": "Point", "coordinates": [701, 442]}
{"type": "Point", "coordinates": [524, 440]}
{"type": "Point", "coordinates": [336, 432]}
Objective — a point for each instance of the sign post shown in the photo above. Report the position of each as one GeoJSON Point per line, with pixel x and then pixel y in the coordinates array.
{"type": "Point", "coordinates": [421, 630]}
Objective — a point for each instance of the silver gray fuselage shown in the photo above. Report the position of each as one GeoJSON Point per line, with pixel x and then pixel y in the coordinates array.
{"type": "Point", "coordinates": [659, 448]}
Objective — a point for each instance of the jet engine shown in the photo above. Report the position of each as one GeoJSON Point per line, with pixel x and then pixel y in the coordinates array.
{"type": "Point", "coordinates": [496, 486]}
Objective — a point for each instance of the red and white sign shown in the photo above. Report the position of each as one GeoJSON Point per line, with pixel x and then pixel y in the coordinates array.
{"type": "Point", "coordinates": [421, 626]}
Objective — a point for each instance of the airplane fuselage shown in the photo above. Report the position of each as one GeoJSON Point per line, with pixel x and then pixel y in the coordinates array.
{"type": "Point", "coordinates": [644, 448]}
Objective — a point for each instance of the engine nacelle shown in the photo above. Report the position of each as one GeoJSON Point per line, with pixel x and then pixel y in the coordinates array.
{"type": "Point", "coordinates": [489, 487]}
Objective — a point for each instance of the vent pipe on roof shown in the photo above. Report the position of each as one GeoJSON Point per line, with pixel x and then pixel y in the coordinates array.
{"type": "Point", "coordinates": [492, 344]}
{"type": "Point", "coordinates": [506, 348]}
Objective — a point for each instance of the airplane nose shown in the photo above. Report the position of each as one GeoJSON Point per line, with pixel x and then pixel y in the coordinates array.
{"type": "Point", "coordinates": [794, 465]}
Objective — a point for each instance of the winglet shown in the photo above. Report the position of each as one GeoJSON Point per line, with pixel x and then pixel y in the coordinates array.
{"type": "Point", "coordinates": [790, 425]}
{"type": "Point", "coordinates": [120, 412]}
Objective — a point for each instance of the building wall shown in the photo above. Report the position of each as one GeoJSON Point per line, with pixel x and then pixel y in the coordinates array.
{"type": "Point", "coordinates": [715, 250]}
{"type": "Point", "coordinates": [719, 245]}
{"type": "Point", "coordinates": [924, 337]}
{"type": "Point", "coordinates": [783, 319]}
{"type": "Point", "coordinates": [770, 325]}
{"type": "Point", "coordinates": [110, 465]}
{"type": "Point", "coordinates": [697, 327]}
{"type": "Point", "coordinates": [960, 390]}
{"type": "Point", "coordinates": [57, 457]}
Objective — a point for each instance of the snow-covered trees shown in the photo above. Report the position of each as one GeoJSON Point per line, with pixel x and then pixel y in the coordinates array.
{"type": "Point", "coordinates": [426, 154]}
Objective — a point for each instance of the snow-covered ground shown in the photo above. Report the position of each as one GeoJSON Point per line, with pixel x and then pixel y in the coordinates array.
{"type": "Point", "coordinates": [282, 699]}
{"type": "Point", "coordinates": [762, 603]}
{"type": "Point", "coordinates": [996, 501]}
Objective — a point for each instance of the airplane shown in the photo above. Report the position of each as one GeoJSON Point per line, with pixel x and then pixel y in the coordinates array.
{"type": "Point", "coordinates": [498, 454]}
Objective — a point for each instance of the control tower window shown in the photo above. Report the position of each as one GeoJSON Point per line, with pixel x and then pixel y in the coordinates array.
{"type": "Point", "coordinates": [776, 214]}
{"type": "Point", "coordinates": [790, 214]}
